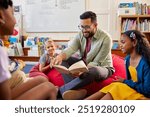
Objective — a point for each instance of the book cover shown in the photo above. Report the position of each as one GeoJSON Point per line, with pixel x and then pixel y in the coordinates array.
{"type": "Point", "coordinates": [19, 49]}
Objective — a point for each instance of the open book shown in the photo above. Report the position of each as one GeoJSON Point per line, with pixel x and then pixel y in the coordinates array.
{"type": "Point", "coordinates": [73, 69]}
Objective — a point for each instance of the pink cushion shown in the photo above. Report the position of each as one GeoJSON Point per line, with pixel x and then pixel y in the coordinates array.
{"type": "Point", "coordinates": [118, 63]}
{"type": "Point", "coordinates": [55, 77]}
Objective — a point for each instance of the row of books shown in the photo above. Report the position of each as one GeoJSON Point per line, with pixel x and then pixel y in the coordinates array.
{"type": "Point", "coordinates": [140, 9]}
{"type": "Point", "coordinates": [15, 50]}
{"type": "Point", "coordinates": [129, 24]}
{"type": "Point", "coordinates": [31, 41]}
{"type": "Point", "coordinates": [125, 5]}
{"type": "Point", "coordinates": [37, 50]}
{"type": "Point", "coordinates": [144, 25]}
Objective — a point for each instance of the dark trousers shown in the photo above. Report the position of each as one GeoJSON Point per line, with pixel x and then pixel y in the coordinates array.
{"type": "Point", "coordinates": [94, 74]}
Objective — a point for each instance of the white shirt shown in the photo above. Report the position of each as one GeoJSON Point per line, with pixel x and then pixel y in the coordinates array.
{"type": "Point", "coordinates": [4, 72]}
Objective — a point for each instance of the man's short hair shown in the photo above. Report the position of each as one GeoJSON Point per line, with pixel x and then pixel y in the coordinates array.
{"type": "Point", "coordinates": [5, 3]}
{"type": "Point", "coordinates": [89, 14]}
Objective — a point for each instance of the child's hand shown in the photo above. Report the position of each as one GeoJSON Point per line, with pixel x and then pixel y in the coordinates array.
{"type": "Point", "coordinates": [118, 79]}
{"type": "Point", "coordinates": [52, 62]}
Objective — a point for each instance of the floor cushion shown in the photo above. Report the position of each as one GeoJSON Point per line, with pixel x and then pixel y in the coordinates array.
{"type": "Point", "coordinates": [55, 77]}
{"type": "Point", "coordinates": [34, 72]}
{"type": "Point", "coordinates": [118, 63]}
{"type": "Point", "coordinates": [52, 75]}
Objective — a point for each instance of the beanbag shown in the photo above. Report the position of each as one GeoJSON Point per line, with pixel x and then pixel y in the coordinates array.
{"type": "Point", "coordinates": [118, 63]}
{"type": "Point", "coordinates": [55, 77]}
{"type": "Point", "coordinates": [35, 72]}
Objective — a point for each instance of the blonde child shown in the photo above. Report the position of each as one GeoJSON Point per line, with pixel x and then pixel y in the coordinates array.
{"type": "Point", "coordinates": [44, 67]}
{"type": "Point", "coordinates": [137, 61]}
{"type": "Point", "coordinates": [47, 58]}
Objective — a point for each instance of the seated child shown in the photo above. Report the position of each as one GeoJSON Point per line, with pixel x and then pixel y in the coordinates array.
{"type": "Point", "coordinates": [137, 61]}
{"type": "Point", "coordinates": [44, 67]}
{"type": "Point", "coordinates": [30, 88]}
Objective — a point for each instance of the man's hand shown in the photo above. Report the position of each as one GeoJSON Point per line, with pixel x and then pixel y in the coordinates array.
{"type": "Point", "coordinates": [58, 60]}
{"type": "Point", "coordinates": [118, 79]}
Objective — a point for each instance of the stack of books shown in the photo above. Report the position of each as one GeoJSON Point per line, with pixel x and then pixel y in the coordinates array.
{"type": "Point", "coordinates": [134, 8]}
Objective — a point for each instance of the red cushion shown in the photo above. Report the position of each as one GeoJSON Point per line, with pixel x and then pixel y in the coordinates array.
{"type": "Point", "coordinates": [118, 63]}
{"type": "Point", "coordinates": [55, 77]}
{"type": "Point", "coordinates": [34, 72]}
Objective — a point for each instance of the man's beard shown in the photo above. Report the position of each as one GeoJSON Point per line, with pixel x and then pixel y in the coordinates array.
{"type": "Point", "coordinates": [88, 34]}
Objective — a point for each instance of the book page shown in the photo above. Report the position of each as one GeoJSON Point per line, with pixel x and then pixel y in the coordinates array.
{"type": "Point", "coordinates": [61, 69]}
{"type": "Point", "coordinates": [78, 67]}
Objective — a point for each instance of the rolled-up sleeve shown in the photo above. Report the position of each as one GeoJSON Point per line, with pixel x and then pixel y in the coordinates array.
{"type": "Point", "coordinates": [73, 47]}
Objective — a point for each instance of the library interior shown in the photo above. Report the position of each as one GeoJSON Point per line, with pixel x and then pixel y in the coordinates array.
{"type": "Point", "coordinates": [38, 21]}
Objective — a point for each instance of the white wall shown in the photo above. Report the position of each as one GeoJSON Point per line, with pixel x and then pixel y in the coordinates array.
{"type": "Point", "coordinates": [112, 26]}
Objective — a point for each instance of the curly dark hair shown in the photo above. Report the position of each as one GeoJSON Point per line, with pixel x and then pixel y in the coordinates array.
{"type": "Point", "coordinates": [89, 14]}
{"type": "Point", "coordinates": [5, 3]}
{"type": "Point", "coordinates": [143, 45]}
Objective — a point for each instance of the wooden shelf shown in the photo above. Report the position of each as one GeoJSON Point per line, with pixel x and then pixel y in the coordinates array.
{"type": "Point", "coordinates": [138, 19]}
{"type": "Point", "coordinates": [36, 59]}
{"type": "Point", "coordinates": [134, 16]}
{"type": "Point", "coordinates": [25, 58]}
{"type": "Point", "coordinates": [118, 52]}
{"type": "Point", "coordinates": [145, 32]}
{"type": "Point", "coordinates": [129, 16]}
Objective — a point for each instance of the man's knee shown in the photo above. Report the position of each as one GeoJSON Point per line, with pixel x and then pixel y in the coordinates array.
{"type": "Point", "coordinates": [91, 74]}
{"type": "Point", "coordinates": [99, 73]}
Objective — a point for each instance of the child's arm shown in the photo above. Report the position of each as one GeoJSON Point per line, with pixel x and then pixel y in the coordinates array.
{"type": "Point", "coordinates": [143, 86]}
{"type": "Point", "coordinates": [5, 91]}
{"type": "Point", "coordinates": [43, 68]}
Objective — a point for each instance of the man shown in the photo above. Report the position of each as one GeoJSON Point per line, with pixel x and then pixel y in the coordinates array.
{"type": "Point", "coordinates": [94, 46]}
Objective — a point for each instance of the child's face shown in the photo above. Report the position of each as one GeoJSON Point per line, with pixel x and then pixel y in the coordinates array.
{"type": "Point", "coordinates": [9, 21]}
{"type": "Point", "coordinates": [50, 47]}
{"type": "Point", "coordinates": [126, 44]}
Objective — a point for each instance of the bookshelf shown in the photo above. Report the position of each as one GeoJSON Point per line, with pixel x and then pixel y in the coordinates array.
{"type": "Point", "coordinates": [25, 57]}
{"type": "Point", "coordinates": [36, 58]}
{"type": "Point", "coordinates": [138, 22]}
